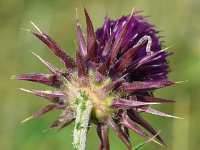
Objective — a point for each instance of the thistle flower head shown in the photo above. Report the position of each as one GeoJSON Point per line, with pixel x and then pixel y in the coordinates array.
{"type": "Point", "coordinates": [115, 71]}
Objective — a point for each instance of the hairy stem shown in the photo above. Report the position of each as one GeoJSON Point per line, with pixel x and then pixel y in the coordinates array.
{"type": "Point", "coordinates": [83, 112]}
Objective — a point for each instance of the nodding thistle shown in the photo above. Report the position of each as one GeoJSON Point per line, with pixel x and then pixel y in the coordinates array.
{"type": "Point", "coordinates": [110, 83]}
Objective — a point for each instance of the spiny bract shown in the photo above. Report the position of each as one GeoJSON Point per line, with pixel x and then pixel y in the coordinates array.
{"type": "Point", "coordinates": [116, 70]}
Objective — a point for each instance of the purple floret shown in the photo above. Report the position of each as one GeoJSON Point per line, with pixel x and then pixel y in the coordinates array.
{"type": "Point", "coordinates": [154, 69]}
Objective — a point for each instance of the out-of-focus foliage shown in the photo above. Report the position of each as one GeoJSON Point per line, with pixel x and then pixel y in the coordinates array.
{"type": "Point", "coordinates": [179, 21]}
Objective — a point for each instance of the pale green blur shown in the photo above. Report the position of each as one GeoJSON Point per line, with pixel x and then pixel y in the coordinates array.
{"type": "Point", "coordinates": [178, 19]}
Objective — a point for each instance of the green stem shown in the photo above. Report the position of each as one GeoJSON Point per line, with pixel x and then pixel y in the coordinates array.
{"type": "Point", "coordinates": [83, 112]}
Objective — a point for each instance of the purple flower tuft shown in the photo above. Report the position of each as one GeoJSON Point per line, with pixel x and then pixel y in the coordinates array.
{"type": "Point", "coordinates": [116, 68]}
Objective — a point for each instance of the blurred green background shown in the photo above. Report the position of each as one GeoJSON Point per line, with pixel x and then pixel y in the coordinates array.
{"type": "Point", "coordinates": [178, 19]}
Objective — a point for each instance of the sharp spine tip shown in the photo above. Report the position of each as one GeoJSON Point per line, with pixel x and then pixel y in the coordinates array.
{"type": "Point", "coordinates": [27, 119]}
{"type": "Point", "coordinates": [25, 90]}
{"type": "Point", "coordinates": [155, 140]}
{"type": "Point", "coordinates": [33, 53]}
{"type": "Point", "coordinates": [165, 49]}
{"type": "Point", "coordinates": [132, 11]}
{"type": "Point", "coordinates": [76, 14]}
{"type": "Point", "coordinates": [25, 29]}
{"type": "Point", "coordinates": [13, 77]}
{"type": "Point", "coordinates": [181, 81]}
{"type": "Point", "coordinates": [36, 27]}
{"type": "Point", "coordinates": [22, 89]}
{"type": "Point", "coordinates": [37, 56]}
{"type": "Point", "coordinates": [178, 117]}
{"type": "Point", "coordinates": [153, 103]}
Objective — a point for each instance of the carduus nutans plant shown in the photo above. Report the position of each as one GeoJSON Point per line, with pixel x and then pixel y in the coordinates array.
{"type": "Point", "coordinates": [109, 84]}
